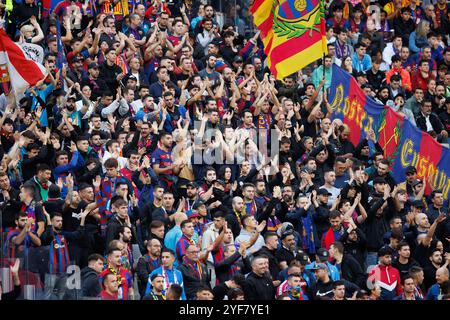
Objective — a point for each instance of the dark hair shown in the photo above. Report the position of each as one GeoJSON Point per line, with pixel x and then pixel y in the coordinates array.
{"type": "Point", "coordinates": [402, 244]}
{"type": "Point", "coordinates": [234, 293]}
{"type": "Point", "coordinates": [156, 224]}
{"type": "Point", "coordinates": [111, 163]}
{"type": "Point", "coordinates": [43, 167]}
{"type": "Point", "coordinates": [338, 246]}
{"type": "Point", "coordinates": [96, 257]}
{"type": "Point", "coordinates": [184, 222]}
{"type": "Point", "coordinates": [406, 277]}
{"type": "Point", "coordinates": [176, 289]}
{"type": "Point", "coordinates": [338, 283]}
{"type": "Point", "coordinates": [168, 251]}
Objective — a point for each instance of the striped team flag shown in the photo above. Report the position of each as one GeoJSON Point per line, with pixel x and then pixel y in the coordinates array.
{"type": "Point", "coordinates": [23, 72]}
{"type": "Point", "coordinates": [293, 33]}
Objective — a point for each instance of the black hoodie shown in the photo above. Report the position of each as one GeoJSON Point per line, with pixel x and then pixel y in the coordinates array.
{"type": "Point", "coordinates": [90, 284]}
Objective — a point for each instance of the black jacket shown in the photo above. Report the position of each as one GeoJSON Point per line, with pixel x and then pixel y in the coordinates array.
{"type": "Point", "coordinates": [223, 267]}
{"type": "Point", "coordinates": [191, 280]}
{"type": "Point", "coordinates": [90, 284]}
{"type": "Point", "coordinates": [356, 249]}
{"type": "Point", "coordinates": [259, 288]}
{"type": "Point", "coordinates": [434, 120]}
{"type": "Point", "coordinates": [352, 271]}
{"type": "Point", "coordinates": [274, 266]}
{"type": "Point", "coordinates": [143, 270]}
{"type": "Point", "coordinates": [9, 208]}
{"type": "Point", "coordinates": [375, 225]}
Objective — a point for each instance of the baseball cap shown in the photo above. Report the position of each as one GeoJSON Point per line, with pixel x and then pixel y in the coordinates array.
{"type": "Point", "coordinates": [197, 204]}
{"type": "Point", "coordinates": [72, 97]}
{"type": "Point", "coordinates": [319, 266]}
{"type": "Point", "coordinates": [284, 227]}
{"type": "Point", "coordinates": [410, 169]}
{"type": "Point", "coordinates": [323, 254]}
{"type": "Point", "coordinates": [238, 59]}
{"type": "Point", "coordinates": [323, 192]}
{"type": "Point", "coordinates": [191, 184]}
{"type": "Point", "coordinates": [416, 182]}
{"type": "Point", "coordinates": [194, 214]}
{"type": "Point", "coordinates": [131, 77]}
{"type": "Point", "coordinates": [303, 258]}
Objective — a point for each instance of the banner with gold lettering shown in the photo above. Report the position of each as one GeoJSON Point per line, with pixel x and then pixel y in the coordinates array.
{"type": "Point", "coordinates": [402, 142]}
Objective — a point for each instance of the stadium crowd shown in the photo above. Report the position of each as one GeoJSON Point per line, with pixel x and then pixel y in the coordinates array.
{"type": "Point", "coordinates": [154, 175]}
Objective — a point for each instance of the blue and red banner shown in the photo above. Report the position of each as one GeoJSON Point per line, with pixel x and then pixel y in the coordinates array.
{"type": "Point", "coordinates": [402, 142]}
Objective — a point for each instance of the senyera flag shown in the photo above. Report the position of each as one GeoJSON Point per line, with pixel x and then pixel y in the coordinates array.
{"type": "Point", "coordinates": [293, 33]}
{"type": "Point", "coordinates": [22, 71]}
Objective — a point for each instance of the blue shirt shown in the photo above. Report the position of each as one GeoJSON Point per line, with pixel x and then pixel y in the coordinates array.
{"type": "Point", "coordinates": [170, 276]}
{"type": "Point", "coordinates": [361, 65]}
{"type": "Point", "coordinates": [172, 238]}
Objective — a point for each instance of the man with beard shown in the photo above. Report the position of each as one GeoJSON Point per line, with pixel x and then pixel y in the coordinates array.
{"type": "Point", "coordinates": [335, 232]}
{"type": "Point", "coordinates": [205, 191]}
{"type": "Point", "coordinates": [123, 277]}
{"type": "Point", "coordinates": [260, 194]}
{"type": "Point", "coordinates": [435, 262]}
{"type": "Point", "coordinates": [345, 148]}
{"type": "Point", "coordinates": [383, 172]}
{"type": "Point", "coordinates": [148, 263]}
{"type": "Point", "coordinates": [288, 250]}
{"type": "Point", "coordinates": [259, 284]}
{"type": "Point", "coordinates": [157, 291]}
{"type": "Point", "coordinates": [210, 71]}
{"type": "Point", "coordinates": [125, 235]}
{"type": "Point", "coordinates": [59, 240]}
{"type": "Point", "coordinates": [20, 239]}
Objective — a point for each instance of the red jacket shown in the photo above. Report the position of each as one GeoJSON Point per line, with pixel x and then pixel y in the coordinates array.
{"type": "Point", "coordinates": [388, 278]}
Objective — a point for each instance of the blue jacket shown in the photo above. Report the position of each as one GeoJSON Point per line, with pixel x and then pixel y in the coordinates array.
{"type": "Point", "coordinates": [171, 275]}
{"type": "Point", "coordinates": [434, 292]}
{"type": "Point", "coordinates": [333, 271]}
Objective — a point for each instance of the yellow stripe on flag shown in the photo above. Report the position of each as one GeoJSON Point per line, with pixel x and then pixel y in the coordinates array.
{"type": "Point", "coordinates": [300, 60]}
{"type": "Point", "coordinates": [263, 12]}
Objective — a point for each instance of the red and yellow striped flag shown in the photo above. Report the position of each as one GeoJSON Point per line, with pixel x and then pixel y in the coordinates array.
{"type": "Point", "coordinates": [293, 33]}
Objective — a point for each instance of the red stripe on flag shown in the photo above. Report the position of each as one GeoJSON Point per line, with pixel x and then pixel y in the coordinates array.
{"type": "Point", "coordinates": [293, 46]}
{"type": "Point", "coordinates": [266, 26]}
{"type": "Point", "coordinates": [28, 69]}
{"type": "Point", "coordinates": [256, 5]}
{"type": "Point", "coordinates": [430, 153]}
